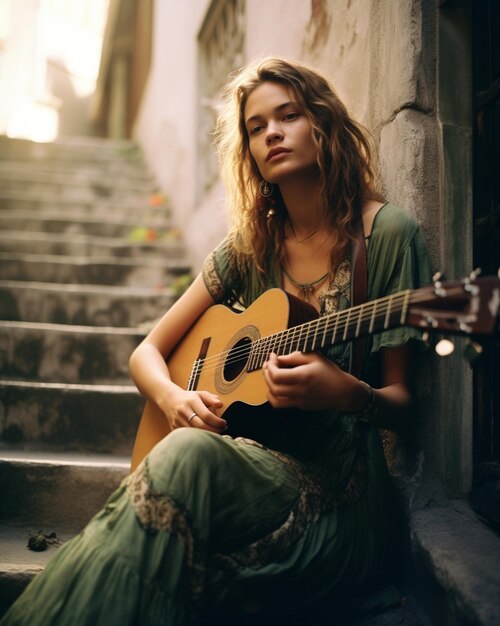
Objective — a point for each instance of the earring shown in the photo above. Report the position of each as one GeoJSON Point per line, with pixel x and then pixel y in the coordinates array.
{"type": "Point", "coordinates": [265, 189]}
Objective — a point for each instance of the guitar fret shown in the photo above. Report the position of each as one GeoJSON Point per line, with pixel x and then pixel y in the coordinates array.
{"type": "Point", "coordinates": [344, 336]}
{"type": "Point", "coordinates": [404, 308]}
{"type": "Point", "coordinates": [388, 314]}
{"type": "Point", "coordinates": [281, 337]}
{"type": "Point", "coordinates": [337, 317]}
{"type": "Point", "coordinates": [325, 328]}
{"type": "Point", "coordinates": [316, 325]}
{"type": "Point", "coordinates": [373, 316]}
{"type": "Point", "coordinates": [360, 316]}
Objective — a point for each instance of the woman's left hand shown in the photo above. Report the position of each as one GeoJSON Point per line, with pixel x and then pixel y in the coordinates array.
{"type": "Point", "coordinates": [310, 381]}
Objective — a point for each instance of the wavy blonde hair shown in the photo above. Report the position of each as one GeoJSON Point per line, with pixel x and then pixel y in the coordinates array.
{"type": "Point", "coordinates": [344, 160]}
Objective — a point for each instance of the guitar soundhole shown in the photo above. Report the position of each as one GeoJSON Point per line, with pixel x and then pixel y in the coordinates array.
{"type": "Point", "coordinates": [237, 359]}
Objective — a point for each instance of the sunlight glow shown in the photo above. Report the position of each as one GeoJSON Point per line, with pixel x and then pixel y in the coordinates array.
{"type": "Point", "coordinates": [49, 62]}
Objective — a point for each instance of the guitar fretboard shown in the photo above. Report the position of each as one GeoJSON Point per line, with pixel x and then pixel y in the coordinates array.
{"type": "Point", "coordinates": [365, 319]}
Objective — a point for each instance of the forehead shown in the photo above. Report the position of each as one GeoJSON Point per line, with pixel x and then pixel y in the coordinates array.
{"type": "Point", "coordinates": [267, 97]}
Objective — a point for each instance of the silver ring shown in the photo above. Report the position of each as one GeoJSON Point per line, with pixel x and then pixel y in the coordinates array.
{"type": "Point", "coordinates": [191, 417]}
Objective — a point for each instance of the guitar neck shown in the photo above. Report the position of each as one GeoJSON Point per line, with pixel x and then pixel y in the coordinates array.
{"type": "Point", "coordinates": [364, 319]}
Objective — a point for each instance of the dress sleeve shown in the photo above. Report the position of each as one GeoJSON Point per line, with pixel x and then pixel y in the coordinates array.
{"type": "Point", "coordinates": [397, 260]}
{"type": "Point", "coordinates": [225, 273]}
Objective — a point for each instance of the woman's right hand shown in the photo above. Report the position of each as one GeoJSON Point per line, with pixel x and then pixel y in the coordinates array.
{"type": "Point", "coordinates": [193, 408]}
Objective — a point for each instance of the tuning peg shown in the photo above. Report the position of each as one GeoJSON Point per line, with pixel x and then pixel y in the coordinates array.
{"type": "Point", "coordinates": [472, 351]}
{"type": "Point", "coordinates": [475, 273]}
{"type": "Point", "coordinates": [444, 347]}
{"type": "Point", "coordinates": [438, 285]}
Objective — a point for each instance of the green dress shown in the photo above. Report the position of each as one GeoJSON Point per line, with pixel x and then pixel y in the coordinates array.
{"type": "Point", "coordinates": [212, 524]}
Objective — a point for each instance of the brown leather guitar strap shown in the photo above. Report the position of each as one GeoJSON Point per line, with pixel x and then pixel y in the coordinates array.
{"type": "Point", "coordinates": [358, 294]}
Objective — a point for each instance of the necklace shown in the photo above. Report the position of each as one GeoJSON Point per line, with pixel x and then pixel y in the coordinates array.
{"type": "Point", "coordinates": [306, 290]}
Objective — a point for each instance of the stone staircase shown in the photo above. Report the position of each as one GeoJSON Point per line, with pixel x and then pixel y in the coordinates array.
{"type": "Point", "coordinates": [87, 257]}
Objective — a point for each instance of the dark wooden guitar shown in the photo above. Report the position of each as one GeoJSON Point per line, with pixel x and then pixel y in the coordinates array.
{"type": "Point", "coordinates": [224, 351]}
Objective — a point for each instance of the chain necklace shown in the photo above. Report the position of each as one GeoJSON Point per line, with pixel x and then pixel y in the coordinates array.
{"type": "Point", "coordinates": [306, 290]}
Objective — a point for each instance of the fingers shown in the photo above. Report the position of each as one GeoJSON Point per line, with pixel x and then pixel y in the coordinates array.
{"type": "Point", "coordinates": [283, 379]}
{"type": "Point", "coordinates": [200, 413]}
{"type": "Point", "coordinates": [288, 369]}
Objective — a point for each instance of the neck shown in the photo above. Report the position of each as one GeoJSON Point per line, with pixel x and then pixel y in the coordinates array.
{"type": "Point", "coordinates": [302, 198]}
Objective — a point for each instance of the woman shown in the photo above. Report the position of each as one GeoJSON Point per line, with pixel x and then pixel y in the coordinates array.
{"type": "Point", "coordinates": [306, 515]}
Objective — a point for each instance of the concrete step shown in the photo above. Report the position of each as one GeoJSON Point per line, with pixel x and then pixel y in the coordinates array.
{"type": "Point", "coordinates": [65, 170]}
{"type": "Point", "coordinates": [82, 305]}
{"type": "Point", "coordinates": [84, 192]}
{"type": "Point", "coordinates": [153, 226]}
{"type": "Point", "coordinates": [65, 353]}
{"type": "Point", "coordinates": [55, 416]}
{"type": "Point", "coordinates": [56, 491]}
{"type": "Point", "coordinates": [18, 565]}
{"type": "Point", "coordinates": [458, 566]}
{"type": "Point", "coordinates": [88, 245]}
{"type": "Point", "coordinates": [74, 151]}
{"type": "Point", "coordinates": [138, 209]}
{"type": "Point", "coordinates": [152, 272]}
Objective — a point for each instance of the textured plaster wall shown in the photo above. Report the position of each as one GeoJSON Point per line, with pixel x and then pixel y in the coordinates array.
{"type": "Point", "coordinates": [382, 57]}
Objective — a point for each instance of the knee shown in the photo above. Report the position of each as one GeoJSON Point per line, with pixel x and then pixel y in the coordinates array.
{"type": "Point", "coordinates": [185, 449]}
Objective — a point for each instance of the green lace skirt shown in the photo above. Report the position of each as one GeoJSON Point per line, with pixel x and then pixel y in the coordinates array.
{"type": "Point", "coordinates": [214, 524]}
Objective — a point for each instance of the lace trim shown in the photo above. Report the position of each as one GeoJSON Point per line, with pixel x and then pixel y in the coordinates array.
{"type": "Point", "coordinates": [157, 512]}
{"type": "Point", "coordinates": [212, 280]}
{"type": "Point", "coordinates": [329, 300]}
{"type": "Point", "coordinates": [312, 500]}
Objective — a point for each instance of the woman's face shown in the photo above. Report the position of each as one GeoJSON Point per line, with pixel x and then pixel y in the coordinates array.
{"type": "Point", "coordinates": [279, 133]}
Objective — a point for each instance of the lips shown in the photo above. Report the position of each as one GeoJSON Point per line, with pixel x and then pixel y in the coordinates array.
{"type": "Point", "coordinates": [275, 152]}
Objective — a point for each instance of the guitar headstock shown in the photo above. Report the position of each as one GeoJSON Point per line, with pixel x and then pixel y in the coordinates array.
{"type": "Point", "coordinates": [470, 306]}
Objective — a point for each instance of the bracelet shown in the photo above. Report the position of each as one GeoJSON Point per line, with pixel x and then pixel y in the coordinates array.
{"type": "Point", "coordinates": [370, 407]}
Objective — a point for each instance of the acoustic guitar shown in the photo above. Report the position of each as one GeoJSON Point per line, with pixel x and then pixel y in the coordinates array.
{"type": "Point", "coordinates": [224, 351]}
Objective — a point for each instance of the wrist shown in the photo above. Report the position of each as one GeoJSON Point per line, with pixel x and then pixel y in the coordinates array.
{"type": "Point", "coordinates": [369, 409]}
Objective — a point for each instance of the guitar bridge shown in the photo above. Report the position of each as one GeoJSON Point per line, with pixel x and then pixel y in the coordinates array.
{"type": "Point", "coordinates": [194, 376]}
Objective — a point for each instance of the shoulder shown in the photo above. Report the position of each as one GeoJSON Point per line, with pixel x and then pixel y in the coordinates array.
{"type": "Point", "coordinates": [226, 270]}
{"type": "Point", "coordinates": [393, 224]}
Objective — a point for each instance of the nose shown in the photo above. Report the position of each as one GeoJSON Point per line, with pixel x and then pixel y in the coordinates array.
{"type": "Point", "coordinates": [273, 133]}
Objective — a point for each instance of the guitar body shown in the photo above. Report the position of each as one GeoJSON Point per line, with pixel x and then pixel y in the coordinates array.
{"type": "Point", "coordinates": [224, 352]}
{"type": "Point", "coordinates": [217, 338]}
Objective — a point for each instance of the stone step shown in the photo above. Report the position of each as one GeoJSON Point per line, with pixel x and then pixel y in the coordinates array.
{"type": "Point", "coordinates": [151, 272]}
{"type": "Point", "coordinates": [33, 242]}
{"type": "Point", "coordinates": [84, 192]}
{"type": "Point", "coordinates": [130, 208]}
{"type": "Point", "coordinates": [458, 566]}
{"type": "Point", "coordinates": [82, 305]}
{"type": "Point", "coordinates": [152, 226]}
{"type": "Point", "coordinates": [18, 565]}
{"type": "Point", "coordinates": [69, 417]}
{"type": "Point", "coordinates": [65, 353]}
{"type": "Point", "coordinates": [72, 150]}
{"type": "Point", "coordinates": [80, 171]}
{"type": "Point", "coordinates": [59, 491]}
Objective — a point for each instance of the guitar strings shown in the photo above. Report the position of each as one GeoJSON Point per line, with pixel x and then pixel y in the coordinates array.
{"type": "Point", "coordinates": [323, 325]}
{"type": "Point", "coordinates": [360, 314]}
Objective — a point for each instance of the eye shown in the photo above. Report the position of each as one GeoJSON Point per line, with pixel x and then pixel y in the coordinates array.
{"type": "Point", "coordinates": [256, 129]}
{"type": "Point", "coordinates": [291, 116]}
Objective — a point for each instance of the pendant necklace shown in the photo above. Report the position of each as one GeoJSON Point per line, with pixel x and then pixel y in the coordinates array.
{"type": "Point", "coordinates": [306, 290]}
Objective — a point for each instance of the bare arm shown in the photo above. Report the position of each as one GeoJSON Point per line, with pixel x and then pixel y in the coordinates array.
{"type": "Point", "coordinates": [150, 372]}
